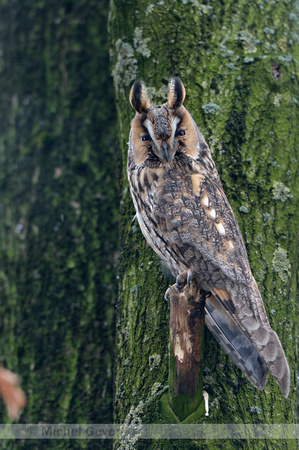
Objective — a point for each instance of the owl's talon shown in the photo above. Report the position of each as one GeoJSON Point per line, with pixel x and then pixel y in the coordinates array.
{"type": "Point", "coordinates": [178, 284]}
{"type": "Point", "coordinates": [166, 295]}
{"type": "Point", "coordinates": [189, 278]}
{"type": "Point", "coordinates": [181, 280]}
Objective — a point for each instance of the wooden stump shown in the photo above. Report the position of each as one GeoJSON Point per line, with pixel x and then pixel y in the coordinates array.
{"type": "Point", "coordinates": [186, 352]}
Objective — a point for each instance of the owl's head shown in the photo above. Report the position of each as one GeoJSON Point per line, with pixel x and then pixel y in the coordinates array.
{"type": "Point", "coordinates": [160, 135]}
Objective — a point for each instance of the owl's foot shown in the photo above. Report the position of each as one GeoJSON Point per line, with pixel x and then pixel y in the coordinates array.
{"type": "Point", "coordinates": [182, 279]}
{"type": "Point", "coordinates": [167, 295]}
{"type": "Point", "coordinates": [189, 278]}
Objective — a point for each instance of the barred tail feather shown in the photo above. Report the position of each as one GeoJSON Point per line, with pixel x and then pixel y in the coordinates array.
{"type": "Point", "coordinates": [253, 346]}
{"type": "Point", "coordinates": [236, 345]}
{"type": "Point", "coordinates": [269, 347]}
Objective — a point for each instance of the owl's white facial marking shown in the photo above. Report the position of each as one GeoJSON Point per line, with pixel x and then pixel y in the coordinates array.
{"type": "Point", "coordinates": [174, 123]}
{"type": "Point", "coordinates": [149, 126]}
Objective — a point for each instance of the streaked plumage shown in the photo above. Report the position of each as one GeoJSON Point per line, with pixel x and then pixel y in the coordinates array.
{"type": "Point", "coordinates": [187, 219]}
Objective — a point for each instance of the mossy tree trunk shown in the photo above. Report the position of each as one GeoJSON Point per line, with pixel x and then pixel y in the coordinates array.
{"type": "Point", "coordinates": [59, 210]}
{"type": "Point", "coordinates": [237, 60]}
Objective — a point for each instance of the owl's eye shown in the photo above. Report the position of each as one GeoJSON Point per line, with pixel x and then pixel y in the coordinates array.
{"type": "Point", "coordinates": [180, 133]}
{"type": "Point", "coordinates": [145, 138]}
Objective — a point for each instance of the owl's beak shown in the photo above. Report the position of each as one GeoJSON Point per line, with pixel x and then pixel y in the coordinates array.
{"type": "Point", "coordinates": [165, 151]}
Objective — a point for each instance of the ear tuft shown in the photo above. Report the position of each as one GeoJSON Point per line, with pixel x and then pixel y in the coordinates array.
{"type": "Point", "coordinates": [139, 98]}
{"type": "Point", "coordinates": [176, 93]}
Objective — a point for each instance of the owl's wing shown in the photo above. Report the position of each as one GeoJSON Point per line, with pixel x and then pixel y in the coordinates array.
{"type": "Point", "coordinates": [201, 227]}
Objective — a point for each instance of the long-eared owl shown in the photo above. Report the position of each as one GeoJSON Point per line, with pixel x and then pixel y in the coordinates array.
{"type": "Point", "coordinates": [188, 221]}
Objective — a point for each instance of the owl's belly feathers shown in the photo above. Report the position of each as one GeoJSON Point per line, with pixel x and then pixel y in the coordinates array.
{"type": "Point", "coordinates": [164, 212]}
{"type": "Point", "coordinates": [186, 228]}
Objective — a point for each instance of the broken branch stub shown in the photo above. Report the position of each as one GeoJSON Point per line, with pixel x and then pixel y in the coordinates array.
{"type": "Point", "coordinates": [186, 354]}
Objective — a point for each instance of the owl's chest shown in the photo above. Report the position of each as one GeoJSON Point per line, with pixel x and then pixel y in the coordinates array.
{"type": "Point", "coordinates": [166, 193]}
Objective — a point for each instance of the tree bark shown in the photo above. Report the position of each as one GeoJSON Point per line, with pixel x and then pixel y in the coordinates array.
{"type": "Point", "coordinates": [238, 62]}
{"type": "Point", "coordinates": [59, 211]}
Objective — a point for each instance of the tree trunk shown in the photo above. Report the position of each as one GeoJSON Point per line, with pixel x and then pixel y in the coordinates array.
{"type": "Point", "coordinates": [59, 210]}
{"type": "Point", "coordinates": [237, 61]}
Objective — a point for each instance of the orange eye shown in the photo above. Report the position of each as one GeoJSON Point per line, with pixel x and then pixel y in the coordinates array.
{"type": "Point", "coordinates": [145, 138]}
{"type": "Point", "coordinates": [181, 133]}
